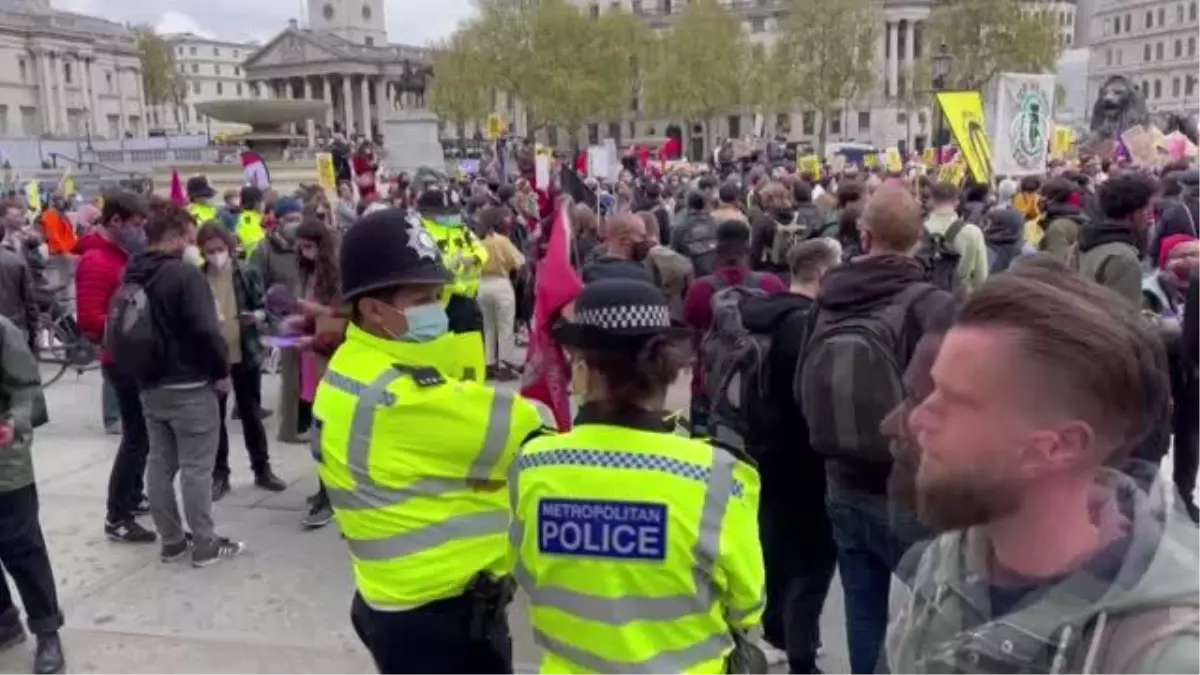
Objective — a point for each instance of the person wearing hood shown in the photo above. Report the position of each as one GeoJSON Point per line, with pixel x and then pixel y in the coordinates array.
{"type": "Point", "coordinates": [968, 240]}
{"type": "Point", "coordinates": [1056, 230]}
{"type": "Point", "coordinates": [1003, 232]}
{"type": "Point", "coordinates": [798, 550]}
{"type": "Point", "coordinates": [975, 202]}
{"type": "Point", "coordinates": [179, 393]}
{"type": "Point", "coordinates": [1109, 252]}
{"type": "Point", "coordinates": [1047, 560]}
{"type": "Point", "coordinates": [870, 537]}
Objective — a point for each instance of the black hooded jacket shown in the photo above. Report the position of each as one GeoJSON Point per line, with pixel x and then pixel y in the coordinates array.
{"type": "Point", "coordinates": [1004, 233]}
{"type": "Point", "coordinates": [784, 316]}
{"type": "Point", "coordinates": [868, 285]}
{"type": "Point", "coordinates": [185, 316]}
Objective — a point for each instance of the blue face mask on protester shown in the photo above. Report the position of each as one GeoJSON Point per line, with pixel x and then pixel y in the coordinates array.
{"type": "Point", "coordinates": [426, 323]}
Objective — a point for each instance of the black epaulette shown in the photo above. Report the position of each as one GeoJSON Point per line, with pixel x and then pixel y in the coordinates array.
{"type": "Point", "coordinates": [423, 376]}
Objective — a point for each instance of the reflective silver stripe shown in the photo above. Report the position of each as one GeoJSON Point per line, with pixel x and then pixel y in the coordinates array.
{"type": "Point", "coordinates": [372, 496]}
{"type": "Point", "coordinates": [736, 616]}
{"type": "Point", "coordinates": [495, 439]}
{"type": "Point", "coordinates": [448, 530]}
{"type": "Point", "coordinates": [629, 608]}
{"type": "Point", "coordinates": [677, 661]}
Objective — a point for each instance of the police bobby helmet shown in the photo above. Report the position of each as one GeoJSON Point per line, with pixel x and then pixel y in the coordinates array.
{"type": "Point", "coordinates": [386, 249]}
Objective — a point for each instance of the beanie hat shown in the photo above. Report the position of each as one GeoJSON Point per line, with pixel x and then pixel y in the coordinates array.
{"type": "Point", "coordinates": [287, 206]}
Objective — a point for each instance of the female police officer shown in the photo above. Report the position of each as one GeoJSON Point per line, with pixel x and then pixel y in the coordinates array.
{"type": "Point", "coordinates": [414, 460]}
{"type": "Point", "coordinates": [639, 548]}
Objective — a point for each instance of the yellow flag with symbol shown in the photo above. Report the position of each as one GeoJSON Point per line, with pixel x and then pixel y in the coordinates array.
{"type": "Point", "coordinates": [964, 114]}
{"type": "Point", "coordinates": [894, 163]}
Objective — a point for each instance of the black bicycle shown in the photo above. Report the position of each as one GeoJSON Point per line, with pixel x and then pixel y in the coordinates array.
{"type": "Point", "coordinates": [59, 346]}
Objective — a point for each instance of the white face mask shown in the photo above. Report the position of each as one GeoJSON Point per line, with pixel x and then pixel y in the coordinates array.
{"type": "Point", "coordinates": [191, 255]}
{"type": "Point", "coordinates": [219, 260]}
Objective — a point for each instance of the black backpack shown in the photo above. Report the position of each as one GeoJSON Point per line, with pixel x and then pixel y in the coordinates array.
{"type": "Point", "coordinates": [735, 364]}
{"type": "Point", "coordinates": [940, 258]}
{"type": "Point", "coordinates": [131, 334]}
{"type": "Point", "coordinates": [698, 241]}
{"type": "Point", "coordinates": [851, 376]}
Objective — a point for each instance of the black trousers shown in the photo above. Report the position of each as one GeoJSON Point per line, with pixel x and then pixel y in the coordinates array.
{"type": "Point", "coordinates": [246, 383]}
{"type": "Point", "coordinates": [24, 556]}
{"type": "Point", "coordinates": [126, 481]}
{"type": "Point", "coordinates": [433, 638]}
{"type": "Point", "coordinates": [799, 554]}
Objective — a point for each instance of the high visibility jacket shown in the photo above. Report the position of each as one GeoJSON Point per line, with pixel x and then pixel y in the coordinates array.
{"type": "Point", "coordinates": [639, 550]}
{"type": "Point", "coordinates": [463, 253]}
{"type": "Point", "coordinates": [250, 230]}
{"type": "Point", "coordinates": [415, 463]}
{"type": "Point", "coordinates": [202, 212]}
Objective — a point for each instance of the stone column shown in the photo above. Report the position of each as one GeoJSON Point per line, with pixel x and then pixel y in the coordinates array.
{"type": "Point", "coordinates": [347, 105]}
{"type": "Point", "coordinates": [328, 85]}
{"type": "Point", "coordinates": [43, 58]}
{"type": "Point", "coordinates": [97, 118]}
{"type": "Point", "coordinates": [909, 51]}
{"type": "Point", "coordinates": [382, 107]}
{"type": "Point", "coordinates": [60, 84]}
{"type": "Point", "coordinates": [893, 58]}
{"type": "Point", "coordinates": [123, 123]}
{"type": "Point", "coordinates": [139, 90]}
{"type": "Point", "coordinates": [365, 91]}
{"type": "Point", "coordinates": [310, 125]}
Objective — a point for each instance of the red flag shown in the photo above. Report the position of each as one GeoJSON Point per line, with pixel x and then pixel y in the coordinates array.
{"type": "Point", "coordinates": [547, 375]}
{"type": "Point", "coordinates": [178, 198]}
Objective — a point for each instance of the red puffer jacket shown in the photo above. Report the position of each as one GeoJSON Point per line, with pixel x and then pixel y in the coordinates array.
{"type": "Point", "coordinates": [96, 280]}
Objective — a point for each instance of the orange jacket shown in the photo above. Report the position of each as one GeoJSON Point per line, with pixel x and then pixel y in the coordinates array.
{"type": "Point", "coordinates": [60, 233]}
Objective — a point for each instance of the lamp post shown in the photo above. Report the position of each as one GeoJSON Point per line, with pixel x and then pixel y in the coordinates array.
{"type": "Point", "coordinates": [941, 71]}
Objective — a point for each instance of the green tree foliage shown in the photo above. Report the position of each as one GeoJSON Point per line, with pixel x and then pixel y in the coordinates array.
{"type": "Point", "coordinates": [700, 65]}
{"type": "Point", "coordinates": [823, 59]}
{"type": "Point", "coordinates": [459, 90]}
{"type": "Point", "coordinates": [986, 37]}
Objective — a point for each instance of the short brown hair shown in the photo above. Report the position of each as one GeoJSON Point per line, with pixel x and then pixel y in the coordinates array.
{"type": "Point", "coordinates": [123, 204]}
{"type": "Point", "coordinates": [214, 230]}
{"type": "Point", "coordinates": [165, 220]}
{"type": "Point", "coordinates": [809, 258]}
{"type": "Point", "coordinates": [1095, 354]}
{"type": "Point", "coordinates": [893, 218]}
{"type": "Point", "coordinates": [775, 197]}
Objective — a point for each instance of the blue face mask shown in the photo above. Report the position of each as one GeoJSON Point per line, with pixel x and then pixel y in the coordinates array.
{"type": "Point", "coordinates": [426, 323]}
{"type": "Point", "coordinates": [453, 220]}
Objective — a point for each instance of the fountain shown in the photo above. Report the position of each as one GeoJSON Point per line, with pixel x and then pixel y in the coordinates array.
{"type": "Point", "coordinates": [267, 119]}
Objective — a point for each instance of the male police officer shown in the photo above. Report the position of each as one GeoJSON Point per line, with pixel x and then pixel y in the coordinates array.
{"type": "Point", "coordinates": [415, 462]}
{"type": "Point", "coordinates": [200, 195]}
{"type": "Point", "coordinates": [464, 255]}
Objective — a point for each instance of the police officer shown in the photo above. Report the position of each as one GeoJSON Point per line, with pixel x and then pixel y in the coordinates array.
{"type": "Point", "coordinates": [639, 548]}
{"type": "Point", "coordinates": [415, 462]}
{"type": "Point", "coordinates": [250, 231]}
{"type": "Point", "coordinates": [464, 255]}
{"type": "Point", "coordinates": [200, 194]}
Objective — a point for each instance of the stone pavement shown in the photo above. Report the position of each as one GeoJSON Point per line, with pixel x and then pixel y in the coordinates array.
{"type": "Point", "coordinates": [282, 606]}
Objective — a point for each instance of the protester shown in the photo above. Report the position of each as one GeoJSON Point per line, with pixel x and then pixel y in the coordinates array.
{"type": "Point", "coordinates": [1056, 230]}
{"type": "Point", "coordinates": [728, 203]}
{"type": "Point", "coordinates": [671, 272]}
{"type": "Point", "coordinates": [22, 547]}
{"type": "Point", "coordinates": [497, 299]}
{"type": "Point", "coordinates": [231, 209]}
{"type": "Point", "coordinates": [798, 550]}
{"type": "Point", "coordinates": [187, 360]}
{"type": "Point", "coordinates": [240, 310]}
{"type": "Point", "coordinates": [883, 293]}
{"type": "Point", "coordinates": [18, 299]}
{"type": "Point", "coordinates": [777, 210]}
{"type": "Point", "coordinates": [346, 211]}
{"type": "Point", "coordinates": [1109, 252]}
{"type": "Point", "coordinates": [1026, 200]}
{"type": "Point", "coordinates": [1003, 233]}
{"type": "Point", "coordinates": [61, 241]}
{"type": "Point", "coordinates": [694, 233]}
{"type": "Point", "coordinates": [626, 245]}
{"type": "Point", "coordinates": [962, 236]}
{"type": "Point", "coordinates": [1047, 561]}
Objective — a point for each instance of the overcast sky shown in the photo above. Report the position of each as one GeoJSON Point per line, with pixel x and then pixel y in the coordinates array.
{"type": "Point", "coordinates": [414, 22]}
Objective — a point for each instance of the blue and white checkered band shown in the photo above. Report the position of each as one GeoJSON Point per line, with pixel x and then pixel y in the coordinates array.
{"type": "Point", "coordinates": [624, 317]}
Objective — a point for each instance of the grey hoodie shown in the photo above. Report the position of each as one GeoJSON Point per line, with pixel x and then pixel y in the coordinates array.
{"type": "Point", "coordinates": [1079, 623]}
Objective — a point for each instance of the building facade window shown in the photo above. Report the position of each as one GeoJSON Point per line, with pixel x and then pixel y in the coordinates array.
{"type": "Point", "coordinates": [1158, 51]}
{"type": "Point", "coordinates": [1128, 23]}
{"type": "Point", "coordinates": [192, 51]}
{"type": "Point", "coordinates": [1175, 87]}
{"type": "Point", "coordinates": [108, 81]}
{"type": "Point", "coordinates": [216, 51]}
{"type": "Point", "coordinates": [1191, 46]}
{"type": "Point", "coordinates": [1157, 89]}
{"type": "Point", "coordinates": [220, 89]}
{"type": "Point", "coordinates": [196, 88]}
{"type": "Point", "coordinates": [3, 120]}
{"type": "Point", "coordinates": [1146, 53]}
{"type": "Point", "coordinates": [758, 24]}
{"type": "Point", "coordinates": [22, 68]}
{"type": "Point", "coordinates": [195, 68]}
{"type": "Point", "coordinates": [67, 72]}
{"type": "Point", "coordinates": [237, 71]}
{"type": "Point", "coordinates": [239, 88]}
{"type": "Point", "coordinates": [835, 124]}
{"type": "Point", "coordinates": [808, 122]}
{"type": "Point", "coordinates": [1178, 49]}
{"type": "Point", "coordinates": [864, 121]}
{"type": "Point", "coordinates": [216, 69]}
{"type": "Point", "coordinates": [1149, 19]}
{"type": "Point", "coordinates": [593, 133]}
{"type": "Point", "coordinates": [1162, 17]}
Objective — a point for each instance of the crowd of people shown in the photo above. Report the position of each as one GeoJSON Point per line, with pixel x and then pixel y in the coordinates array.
{"type": "Point", "coordinates": [958, 394]}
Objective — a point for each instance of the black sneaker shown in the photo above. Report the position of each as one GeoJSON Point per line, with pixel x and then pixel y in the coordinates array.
{"type": "Point", "coordinates": [142, 507]}
{"type": "Point", "coordinates": [49, 655]}
{"type": "Point", "coordinates": [318, 516]}
{"type": "Point", "coordinates": [173, 552]}
{"type": "Point", "coordinates": [220, 488]}
{"type": "Point", "coordinates": [267, 480]}
{"type": "Point", "coordinates": [218, 550]}
{"type": "Point", "coordinates": [129, 532]}
{"type": "Point", "coordinates": [11, 632]}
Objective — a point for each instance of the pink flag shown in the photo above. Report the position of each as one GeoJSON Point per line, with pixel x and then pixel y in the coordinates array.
{"type": "Point", "coordinates": [547, 375]}
{"type": "Point", "coordinates": [178, 198]}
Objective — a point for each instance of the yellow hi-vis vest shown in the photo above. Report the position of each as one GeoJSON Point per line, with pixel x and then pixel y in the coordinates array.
{"type": "Point", "coordinates": [639, 550]}
{"type": "Point", "coordinates": [250, 230]}
{"type": "Point", "coordinates": [415, 463]}
{"type": "Point", "coordinates": [202, 212]}
{"type": "Point", "coordinates": [462, 253]}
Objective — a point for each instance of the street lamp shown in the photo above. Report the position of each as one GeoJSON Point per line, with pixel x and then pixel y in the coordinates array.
{"type": "Point", "coordinates": [941, 71]}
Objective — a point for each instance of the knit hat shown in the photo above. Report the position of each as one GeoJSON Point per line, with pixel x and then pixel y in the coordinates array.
{"type": "Point", "coordinates": [1168, 243]}
{"type": "Point", "coordinates": [287, 206]}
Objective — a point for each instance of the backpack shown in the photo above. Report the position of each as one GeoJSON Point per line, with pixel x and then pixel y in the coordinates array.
{"type": "Point", "coordinates": [131, 334]}
{"type": "Point", "coordinates": [698, 241]}
{"type": "Point", "coordinates": [1000, 257]}
{"type": "Point", "coordinates": [851, 376]}
{"type": "Point", "coordinates": [787, 236]}
{"type": "Point", "coordinates": [735, 363]}
{"type": "Point", "coordinates": [940, 258]}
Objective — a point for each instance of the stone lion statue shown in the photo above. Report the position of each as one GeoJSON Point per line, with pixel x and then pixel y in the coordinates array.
{"type": "Point", "coordinates": [1118, 107]}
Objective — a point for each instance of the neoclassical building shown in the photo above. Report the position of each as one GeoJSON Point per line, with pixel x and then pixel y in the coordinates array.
{"type": "Point", "coordinates": [64, 74]}
{"type": "Point", "coordinates": [342, 57]}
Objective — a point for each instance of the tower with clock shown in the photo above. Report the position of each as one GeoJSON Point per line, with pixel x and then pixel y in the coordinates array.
{"type": "Point", "coordinates": [359, 21]}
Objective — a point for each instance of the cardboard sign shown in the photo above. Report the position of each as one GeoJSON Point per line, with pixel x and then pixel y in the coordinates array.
{"type": "Point", "coordinates": [894, 162]}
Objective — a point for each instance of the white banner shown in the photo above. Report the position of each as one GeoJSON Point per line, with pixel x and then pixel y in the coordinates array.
{"type": "Point", "coordinates": [1020, 120]}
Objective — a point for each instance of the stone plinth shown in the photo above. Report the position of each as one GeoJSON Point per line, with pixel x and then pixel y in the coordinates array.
{"type": "Point", "coordinates": [410, 138]}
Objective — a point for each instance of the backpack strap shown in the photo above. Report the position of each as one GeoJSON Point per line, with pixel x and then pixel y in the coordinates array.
{"type": "Point", "coordinates": [952, 231]}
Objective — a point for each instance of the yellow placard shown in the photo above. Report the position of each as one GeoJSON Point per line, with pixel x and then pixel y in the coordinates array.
{"type": "Point", "coordinates": [810, 165]}
{"type": "Point", "coordinates": [870, 160]}
{"type": "Point", "coordinates": [929, 157]}
{"type": "Point", "coordinates": [894, 163]}
{"type": "Point", "coordinates": [495, 127]}
{"type": "Point", "coordinates": [1062, 143]}
{"type": "Point", "coordinates": [964, 114]}
{"type": "Point", "coordinates": [326, 176]}
{"type": "Point", "coordinates": [33, 196]}
{"type": "Point", "coordinates": [953, 173]}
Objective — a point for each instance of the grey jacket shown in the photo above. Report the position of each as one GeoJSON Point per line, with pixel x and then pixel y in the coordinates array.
{"type": "Point", "coordinates": [17, 300]}
{"type": "Point", "coordinates": [20, 394]}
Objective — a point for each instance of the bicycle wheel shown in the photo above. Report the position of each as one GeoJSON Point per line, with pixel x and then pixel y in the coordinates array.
{"type": "Point", "coordinates": [53, 350]}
